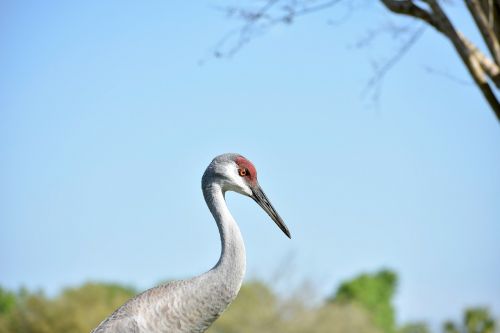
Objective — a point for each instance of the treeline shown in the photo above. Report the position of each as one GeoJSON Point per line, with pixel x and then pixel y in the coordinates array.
{"type": "Point", "coordinates": [361, 305]}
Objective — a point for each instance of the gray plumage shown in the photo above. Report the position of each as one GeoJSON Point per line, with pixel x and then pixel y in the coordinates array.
{"type": "Point", "coordinates": [190, 306]}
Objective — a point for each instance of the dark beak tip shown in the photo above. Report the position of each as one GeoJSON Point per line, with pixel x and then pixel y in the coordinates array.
{"type": "Point", "coordinates": [261, 199]}
{"type": "Point", "coordinates": [287, 233]}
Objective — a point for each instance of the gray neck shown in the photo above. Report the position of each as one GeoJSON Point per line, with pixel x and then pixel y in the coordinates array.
{"type": "Point", "coordinates": [230, 268]}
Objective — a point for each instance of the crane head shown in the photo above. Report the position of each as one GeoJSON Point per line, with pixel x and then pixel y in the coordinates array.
{"type": "Point", "coordinates": [236, 173]}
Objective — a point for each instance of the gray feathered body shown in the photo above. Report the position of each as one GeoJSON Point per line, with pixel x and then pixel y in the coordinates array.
{"type": "Point", "coordinates": [190, 306]}
{"type": "Point", "coordinates": [179, 306]}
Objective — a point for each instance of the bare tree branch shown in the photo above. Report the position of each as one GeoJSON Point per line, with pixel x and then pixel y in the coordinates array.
{"type": "Point", "coordinates": [484, 70]}
{"type": "Point", "coordinates": [485, 28]}
{"type": "Point", "coordinates": [474, 60]}
{"type": "Point", "coordinates": [470, 61]}
{"type": "Point", "coordinates": [259, 21]}
{"type": "Point", "coordinates": [491, 68]}
{"type": "Point", "coordinates": [407, 7]}
{"type": "Point", "coordinates": [446, 74]}
{"type": "Point", "coordinates": [246, 33]}
{"type": "Point", "coordinates": [382, 71]}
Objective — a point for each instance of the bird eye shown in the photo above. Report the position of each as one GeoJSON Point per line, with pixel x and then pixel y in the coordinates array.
{"type": "Point", "coordinates": [243, 172]}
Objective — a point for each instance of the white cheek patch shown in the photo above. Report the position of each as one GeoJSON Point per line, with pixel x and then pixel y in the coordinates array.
{"type": "Point", "coordinates": [238, 183]}
{"type": "Point", "coordinates": [247, 190]}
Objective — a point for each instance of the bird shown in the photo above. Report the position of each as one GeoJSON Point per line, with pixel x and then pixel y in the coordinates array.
{"type": "Point", "coordinates": [192, 305]}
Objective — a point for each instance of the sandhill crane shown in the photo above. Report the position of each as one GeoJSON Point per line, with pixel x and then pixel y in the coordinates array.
{"type": "Point", "coordinates": [191, 306]}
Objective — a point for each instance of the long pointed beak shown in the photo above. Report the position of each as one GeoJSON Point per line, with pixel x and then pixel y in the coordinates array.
{"type": "Point", "coordinates": [260, 197]}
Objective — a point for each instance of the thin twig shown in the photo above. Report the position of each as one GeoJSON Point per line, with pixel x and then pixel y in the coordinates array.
{"type": "Point", "coordinates": [375, 81]}
{"type": "Point", "coordinates": [259, 21]}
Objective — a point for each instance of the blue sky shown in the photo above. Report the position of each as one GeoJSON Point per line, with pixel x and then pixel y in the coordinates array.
{"type": "Point", "coordinates": [108, 119]}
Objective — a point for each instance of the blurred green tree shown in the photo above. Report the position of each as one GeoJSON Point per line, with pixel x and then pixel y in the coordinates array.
{"type": "Point", "coordinates": [7, 300]}
{"type": "Point", "coordinates": [360, 305]}
{"type": "Point", "coordinates": [258, 309]}
{"type": "Point", "coordinates": [254, 310]}
{"type": "Point", "coordinates": [418, 327]}
{"type": "Point", "coordinates": [7, 304]}
{"type": "Point", "coordinates": [75, 310]}
{"type": "Point", "coordinates": [334, 318]}
{"type": "Point", "coordinates": [374, 292]}
{"type": "Point", "coordinates": [475, 320]}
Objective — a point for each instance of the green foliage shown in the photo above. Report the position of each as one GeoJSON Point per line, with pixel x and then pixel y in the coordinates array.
{"type": "Point", "coordinates": [449, 327]}
{"type": "Point", "coordinates": [257, 308]}
{"type": "Point", "coordinates": [414, 328]}
{"type": "Point", "coordinates": [475, 320]}
{"type": "Point", "coordinates": [75, 310]}
{"type": "Point", "coordinates": [254, 310]}
{"type": "Point", "coordinates": [7, 301]}
{"type": "Point", "coordinates": [7, 304]}
{"type": "Point", "coordinates": [374, 292]}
